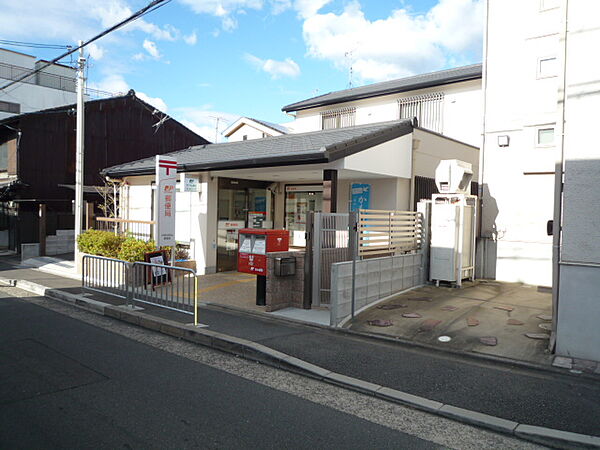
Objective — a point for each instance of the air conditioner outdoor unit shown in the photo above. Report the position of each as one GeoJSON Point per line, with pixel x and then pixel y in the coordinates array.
{"type": "Point", "coordinates": [453, 176]}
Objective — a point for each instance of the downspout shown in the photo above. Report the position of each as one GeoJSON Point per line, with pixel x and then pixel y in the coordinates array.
{"type": "Point", "coordinates": [479, 231]}
{"type": "Point", "coordinates": [558, 176]}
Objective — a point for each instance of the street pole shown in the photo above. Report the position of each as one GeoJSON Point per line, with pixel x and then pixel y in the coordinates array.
{"type": "Point", "coordinates": [79, 152]}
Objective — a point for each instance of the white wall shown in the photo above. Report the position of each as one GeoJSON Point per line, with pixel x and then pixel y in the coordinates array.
{"type": "Point", "coordinates": [193, 222]}
{"type": "Point", "coordinates": [578, 333]}
{"type": "Point", "coordinates": [392, 158]}
{"type": "Point", "coordinates": [517, 180]}
{"type": "Point", "coordinates": [431, 148]}
{"type": "Point", "coordinates": [462, 111]}
{"type": "Point", "coordinates": [247, 130]}
{"type": "Point", "coordinates": [32, 97]}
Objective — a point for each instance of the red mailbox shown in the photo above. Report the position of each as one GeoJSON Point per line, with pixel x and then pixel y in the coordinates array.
{"type": "Point", "coordinates": [255, 243]}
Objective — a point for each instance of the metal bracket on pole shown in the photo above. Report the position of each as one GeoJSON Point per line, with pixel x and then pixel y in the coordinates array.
{"type": "Point", "coordinates": [352, 248]}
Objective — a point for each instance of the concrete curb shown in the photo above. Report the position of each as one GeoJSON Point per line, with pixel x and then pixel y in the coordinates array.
{"type": "Point", "coordinates": [261, 353]}
{"type": "Point", "coordinates": [377, 337]}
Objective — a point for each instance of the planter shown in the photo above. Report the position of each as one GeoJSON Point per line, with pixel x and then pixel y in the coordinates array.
{"type": "Point", "coordinates": [189, 264]}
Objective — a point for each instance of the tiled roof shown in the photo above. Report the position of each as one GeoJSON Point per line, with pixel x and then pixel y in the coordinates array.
{"type": "Point", "coordinates": [390, 87]}
{"type": "Point", "coordinates": [313, 147]}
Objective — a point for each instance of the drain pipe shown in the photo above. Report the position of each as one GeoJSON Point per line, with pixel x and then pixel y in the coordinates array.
{"type": "Point", "coordinates": [479, 225]}
{"type": "Point", "coordinates": [559, 176]}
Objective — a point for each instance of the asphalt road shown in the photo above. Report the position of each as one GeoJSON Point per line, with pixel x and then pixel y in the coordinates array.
{"type": "Point", "coordinates": [563, 402]}
{"type": "Point", "coordinates": [67, 384]}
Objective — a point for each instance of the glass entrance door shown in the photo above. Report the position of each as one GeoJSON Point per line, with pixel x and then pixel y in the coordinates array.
{"type": "Point", "coordinates": [297, 206]}
{"type": "Point", "coordinates": [241, 204]}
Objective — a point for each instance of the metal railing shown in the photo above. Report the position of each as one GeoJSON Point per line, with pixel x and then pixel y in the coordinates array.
{"type": "Point", "coordinates": [42, 78]}
{"type": "Point", "coordinates": [140, 229]}
{"type": "Point", "coordinates": [169, 287]}
{"type": "Point", "coordinates": [104, 275]}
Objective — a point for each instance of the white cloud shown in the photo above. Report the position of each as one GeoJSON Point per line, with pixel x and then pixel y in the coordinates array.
{"type": "Point", "coordinates": [279, 6]}
{"type": "Point", "coordinates": [157, 102]}
{"type": "Point", "coordinates": [202, 120]}
{"type": "Point", "coordinates": [225, 9]}
{"type": "Point", "coordinates": [229, 23]}
{"type": "Point", "coordinates": [191, 39]}
{"type": "Point", "coordinates": [276, 69]}
{"type": "Point", "coordinates": [308, 8]}
{"type": "Point", "coordinates": [399, 45]}
{"type": "Point", "coordinates": [96, 52]}
{"type": "Point", "coordinates": [74, 20]}
{"type": "Point", "coordinates": [117, 85]}
{"type": "Point", "coordinates": [151, 48]}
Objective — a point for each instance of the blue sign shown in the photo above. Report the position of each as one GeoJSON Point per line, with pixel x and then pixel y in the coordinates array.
{"type": "Point", "coordinates": [260, 204]}
{"type": "Point", "coordinates": [361, 196]}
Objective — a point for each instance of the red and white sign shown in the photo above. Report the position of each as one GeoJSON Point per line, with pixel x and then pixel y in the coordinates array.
{"type": "Point", "coordinates": [166, 191]}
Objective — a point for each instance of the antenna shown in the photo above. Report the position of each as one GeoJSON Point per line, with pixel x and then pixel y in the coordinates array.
{"type": "Point", "coordinates": [348, 56]}
{"type": "Point", "coordinates": [217, 118]}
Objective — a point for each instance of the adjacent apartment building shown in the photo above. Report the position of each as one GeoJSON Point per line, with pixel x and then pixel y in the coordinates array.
{"type": "Point", "coordinates": [447, 102]}
{"type": "Point", "coordinates": [540, 161]}
{"type": "Point", "coordinates": [53, 86]}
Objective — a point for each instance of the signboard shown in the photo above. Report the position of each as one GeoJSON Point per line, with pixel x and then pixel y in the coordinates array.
{"type": "Point", "coordinates": [256, 219]}
{"type": "Point", "coordinates": [190, 184]}
{"type": "Point", "coordinates": [361, 196]}
{"type": "Point", "coordinates": [304, 188]}
{"type": "Point", "coordinates": [157, 275]}
{"type": "Point", "coordinates": [166, 189]}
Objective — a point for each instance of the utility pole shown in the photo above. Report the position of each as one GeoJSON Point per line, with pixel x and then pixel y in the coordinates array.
{"type": "Point", "coordinates": [79, 152]}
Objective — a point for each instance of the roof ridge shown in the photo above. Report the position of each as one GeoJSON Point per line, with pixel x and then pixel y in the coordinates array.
{"type": "Point", "coordinates": [401, 84]}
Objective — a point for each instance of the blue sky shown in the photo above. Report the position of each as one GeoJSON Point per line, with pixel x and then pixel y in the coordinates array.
{"type": "Point", "coordinates": [200, 59]}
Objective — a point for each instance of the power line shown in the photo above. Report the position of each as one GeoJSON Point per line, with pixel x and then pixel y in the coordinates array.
{"type": "Point", "coordinates": [152, 6]}
{"type": "Point", "coordinates": [32, 44]}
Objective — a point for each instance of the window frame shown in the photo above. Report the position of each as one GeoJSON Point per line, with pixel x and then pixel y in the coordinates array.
{"type": "Point", "coordinates": [537, 136]}
{"type": "Point", "coordinates": [538, 67]}
{"type": "Point", "coordinates": [543, 6]}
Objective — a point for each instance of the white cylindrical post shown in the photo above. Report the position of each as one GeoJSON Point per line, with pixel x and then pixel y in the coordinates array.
{"type": "Point", "coordinates": [79, 151]}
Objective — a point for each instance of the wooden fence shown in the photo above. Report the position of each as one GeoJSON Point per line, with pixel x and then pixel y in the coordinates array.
{"type": "Point", "coordinates": [388, 232]}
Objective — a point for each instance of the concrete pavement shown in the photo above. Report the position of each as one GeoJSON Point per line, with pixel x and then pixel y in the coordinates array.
{"type": "Point", "coordinates": [506, 392]}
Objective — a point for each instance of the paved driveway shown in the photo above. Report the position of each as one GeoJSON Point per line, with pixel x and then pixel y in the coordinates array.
{"type": "Point", "coordinates": [500, 312]}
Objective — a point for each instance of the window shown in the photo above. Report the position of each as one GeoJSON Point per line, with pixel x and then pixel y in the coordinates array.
{"type": "Point", "coordinates": [9, 107]}
{"type": "Point", "coordinates": [428, 109]}
{"type": "Point", "coordinates": [8, 157]}
{"type": "Point", "coordinates": [338, 118]}
{"type": "Point", "coordinates": [245, 137]}
{"type": "Point", "coordinates": [545, 137]}
{"type": "Point", "coordinates": [549, 4]}
{"type": "Point", "coordinates": [547, 67]}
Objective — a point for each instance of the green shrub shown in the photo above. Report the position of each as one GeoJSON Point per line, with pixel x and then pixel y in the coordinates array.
{"type": "Point", "coordinates": [100, 243]}
{"type": "Point", "coordinates": [133, 249]}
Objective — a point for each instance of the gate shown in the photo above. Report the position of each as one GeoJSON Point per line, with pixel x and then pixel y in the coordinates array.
{"type": "Point", "coordinates": [331, 243]}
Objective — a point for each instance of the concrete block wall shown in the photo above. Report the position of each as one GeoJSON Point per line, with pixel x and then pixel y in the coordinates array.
{"type": "Point", "coordinates": [62, 242]}
{"type": "Point", "coordinates": [285, 292]}
{"type": "Point", "coordinates": [375, 279]}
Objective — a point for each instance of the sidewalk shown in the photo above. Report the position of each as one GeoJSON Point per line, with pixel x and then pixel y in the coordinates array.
{"type": "Point", "coordinates": [559, 401]}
